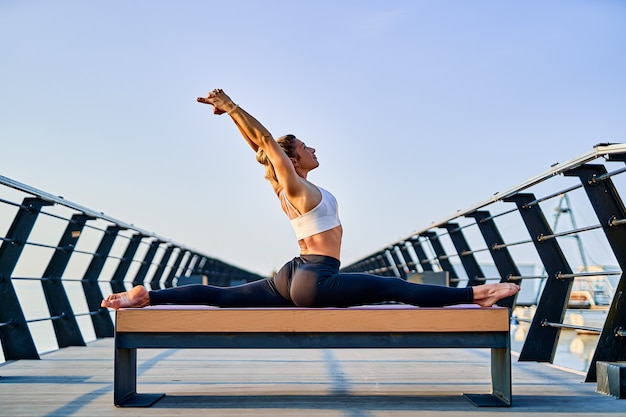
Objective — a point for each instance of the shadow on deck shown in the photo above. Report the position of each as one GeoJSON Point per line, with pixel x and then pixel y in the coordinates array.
{"type": "Point", "coordinates": [78, 382]}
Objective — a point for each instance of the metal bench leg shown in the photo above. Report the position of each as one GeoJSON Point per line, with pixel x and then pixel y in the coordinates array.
{"type": "Point", "coordinates": [500, 381]}
{"type": "Point", "coordinates": [125, 381]}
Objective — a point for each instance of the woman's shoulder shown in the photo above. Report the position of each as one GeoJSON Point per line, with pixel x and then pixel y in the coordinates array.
{"type": "Point", "coordinates": [303, 197]}
{"type": "Point", "coordinates": [296, 188]}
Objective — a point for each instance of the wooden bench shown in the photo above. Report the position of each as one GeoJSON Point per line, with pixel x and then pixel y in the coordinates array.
{"type": "Point", "coordinates": [390, 326]}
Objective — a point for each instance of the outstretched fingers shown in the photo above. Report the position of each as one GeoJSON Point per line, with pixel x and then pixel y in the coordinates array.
{"type": "Point", "coordinates": [219, 100]}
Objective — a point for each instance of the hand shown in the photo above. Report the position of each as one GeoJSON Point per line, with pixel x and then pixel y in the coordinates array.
{"type": "Point", "coordinates": [219, 100]}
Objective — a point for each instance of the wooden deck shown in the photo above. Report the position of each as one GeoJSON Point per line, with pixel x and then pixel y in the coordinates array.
{"type": "Point", "coordinates": [78, 381]}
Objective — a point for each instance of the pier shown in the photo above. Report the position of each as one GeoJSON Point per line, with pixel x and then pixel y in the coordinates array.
{"type": "Point", "coordinates": [74, 254]}
{"type": "Point", "coordinates": [78, 382]}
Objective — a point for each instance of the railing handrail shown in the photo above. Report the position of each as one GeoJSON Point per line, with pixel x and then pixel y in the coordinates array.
{"type": "Point", "coordinates": [85, 210]}
{"type": "Point", "coordinates": [556, 169]}
{"type": "Point", "coordinates": [161, 262]}
{"type": "Point", "coordinates": [420, 252]}
{"type": "Point", "coordinates": [431, 248]}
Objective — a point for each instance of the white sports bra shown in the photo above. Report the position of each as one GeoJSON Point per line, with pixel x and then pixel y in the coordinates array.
{"type": "Point", "coordinates": [322, 217]}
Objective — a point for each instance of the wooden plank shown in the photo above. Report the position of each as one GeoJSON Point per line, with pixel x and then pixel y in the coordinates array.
{"type": "Point", "coordinates": [77, 381]}
{"type": "Point", "coordinates": [200, 319]}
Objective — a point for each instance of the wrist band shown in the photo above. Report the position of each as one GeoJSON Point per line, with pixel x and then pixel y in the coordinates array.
{"type": "Point", "coordinates": [233, 109]}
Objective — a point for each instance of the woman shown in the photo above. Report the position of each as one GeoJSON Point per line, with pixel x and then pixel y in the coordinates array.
{"type": "Point", "coordinates": [311, 279]}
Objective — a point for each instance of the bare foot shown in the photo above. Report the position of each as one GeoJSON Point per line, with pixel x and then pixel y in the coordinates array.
{"type": "Point", "coordinates": [136, 297]}
{"type": "Point", "coordinates": [488, 294]}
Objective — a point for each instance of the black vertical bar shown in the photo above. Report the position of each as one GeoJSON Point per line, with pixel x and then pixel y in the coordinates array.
{"type": "Point", "coordinates": [501, 257]}
{"type": "Point", "coordinates": [364, 265]}
{"type": "Point", "coordinates": [66, 329]}
{"type": "Point", "coordinates": [408, 259]}
{"type": "Point", "coordinates": [187, 268]}
{"type": "Point", "coordinates": [17, 342]}
{"type": "Point", "coordinates": [117, 282]}
{"type": "Point", "coordinates": [199, 266]}
{"type": "Point", "coordinates": [146, 263]}
{"type": "Point", "coordinates": [370, 266]}
{"type": "Point", "coordinates": [124, 373]}
{"type": "Point", "coordinates": [193, 265]}
{"type": "Point", "coordinates": [442, 257]}
{"type": "Point", "coordinates": [608, 206]}
{"type": "Point", "coordinates": [374, 265]}
{"type": "Point", "coordinates": [421, 254]}
{"type": "Point", "coordinates": [169, 281]}
{"type": "Point", "coordinates": [212, 271]}
{"type": "Point", "coordinates": [474, 273]}
{"type": "Point", "coordinates": [383, 264]}
{"type": "Point", "coordinates": [125, 379]}
{"type": "Point", "coordinates": [102, 322]}
{"type": "Point", "coordinates": [501, 378]}
{"type": "Point", "coordinates": [541, 341]}
{"type": "Point", "coordinates": [400, 264]}
{"type": "Point", "coordinates": [378, 267]}
{"type": "Point", "coordinates": [158, 273]}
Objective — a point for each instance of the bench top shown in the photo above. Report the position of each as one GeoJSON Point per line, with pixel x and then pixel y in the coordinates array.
{"type": "Point", "coordinates": [379, 318]}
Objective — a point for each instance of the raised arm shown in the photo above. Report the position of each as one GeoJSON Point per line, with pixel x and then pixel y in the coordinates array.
{"type": "Point", "coordinates": [251, 129]}
{"type": "Point", "coordinates": [258, 137]}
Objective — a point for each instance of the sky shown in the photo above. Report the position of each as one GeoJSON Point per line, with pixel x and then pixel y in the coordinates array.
{"type": "Point", "coordinates": [415, 108]}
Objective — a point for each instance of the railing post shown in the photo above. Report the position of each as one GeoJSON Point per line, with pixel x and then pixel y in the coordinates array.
{"type": "Point", "coordinates": [194, 265]}
{"type": "Point", "coordinates": [158, 273]}
{"type": "Point", "coordinates": [400, 263]}
{"type": "Point", "coordinates": [501, 257]}
{"type": "Point", "coordinates": [169, 281]}
{"type": "Point", "coordinates": [422, 259]}
{"type": "Point", "coordinates": [541, 341]}
{"type": "Point", "coordinates": [383, 264]}
{"type": "Point", "coordinates": [608, 206]}
{"type": "Point", "coordinates": [146, 263]}
{"type": "Point", "coordinates": [475, 274]}
{"type": "Point", "coordinates": [199, 266]}
{"type": "Point", "coordinates": [66, 327]}
{"type": "Point", "coordinates": [408, 259]}
{"type": "Point", "coordinates": [366, 265]}
{"type": "Point", "coordinates": [187, 268]}
{"type": "Point", "coordinates": [442, 257]}
{"type": "Point", "coordinates": [102, 322]}
{"type": "Point", "coordinates": [17, 342]}
{"type": "Point", "coordinates": [374, 265]}
{"type": "Point", "coordinates": [117, 282]}
{"type": "Point", "coordinates": [212, 271]}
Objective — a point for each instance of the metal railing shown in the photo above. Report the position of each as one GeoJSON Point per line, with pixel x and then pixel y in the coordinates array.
{"type": "Point", "coordinates": [69, 248]}
{"type": "Point", "coordinates": [69, 252]}
{"type": "Point", "coordinates": [475, 236]}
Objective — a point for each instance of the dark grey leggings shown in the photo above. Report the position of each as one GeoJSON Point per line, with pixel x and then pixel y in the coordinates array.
{"type": "Point", "coordinates": [315, 281]}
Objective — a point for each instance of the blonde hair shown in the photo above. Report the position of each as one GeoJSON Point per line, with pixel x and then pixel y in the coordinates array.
{"type": "Point", "coordinates": [288, 145]}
